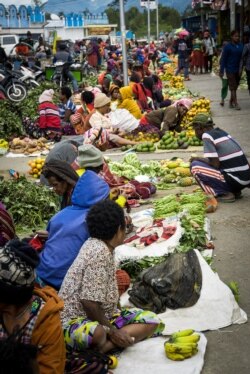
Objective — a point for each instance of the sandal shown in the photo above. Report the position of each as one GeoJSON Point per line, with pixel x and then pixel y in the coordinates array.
{"type": "Point", "coordinates": [229, 198]}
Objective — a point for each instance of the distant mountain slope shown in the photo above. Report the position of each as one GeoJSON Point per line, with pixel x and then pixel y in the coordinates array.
{"type": "Point", "coordinates": [68, 6]}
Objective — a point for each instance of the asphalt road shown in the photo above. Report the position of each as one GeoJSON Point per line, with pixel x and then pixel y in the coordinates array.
{"type": "Point", "coordinates": [227, 349]}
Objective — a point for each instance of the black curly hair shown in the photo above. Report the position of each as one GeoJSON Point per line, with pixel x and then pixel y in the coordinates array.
{"type": "Point", "coordinates": [104, 219]}
{"type": "Point", "coordinates": [88, 97]}
{"type": "Point", "coordinates": [16, 357]}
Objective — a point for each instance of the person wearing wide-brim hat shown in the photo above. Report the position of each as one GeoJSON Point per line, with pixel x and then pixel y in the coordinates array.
{"type": "Point", "coordinates": [224, 170]}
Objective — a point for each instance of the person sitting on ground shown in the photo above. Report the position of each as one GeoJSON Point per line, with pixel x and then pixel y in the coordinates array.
{"type": "Point", "coordinates": [139, 92]}
{"type": "Point", "coordinates": [168, 118]}
{"type": "Point", "coordinates": [224, 170]}
{"type": "Point", "coordinates": [91, 317]}
{"type": "Point", "coordinates": [66, 109]}
{"type": "Point", "coordinates": [49, 118]}
{"type": "Point", "coordinates": [67, 230]}
{"type": "Point", "coordinates": [126, 101]}
{"type": "Point", "coordinates": [99, 120]}
{"type": "Point", "coordinates": [7, 227]}
{"type": "Point", "coordinates": [62, 178]}
{"type": "Point", "coordinates": [87, 106]}
{"type": "Point", "coordinates": [28, 315]}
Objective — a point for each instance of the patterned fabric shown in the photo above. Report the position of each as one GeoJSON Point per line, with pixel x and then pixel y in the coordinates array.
{"type": "Point", "coordinates": [78, 333]}
{"type": "Point", "coordinates": [210, 179]}
{"type": "Point", "coordinates": [233, 162]}
{"type": "Point", "coordinates": [36, 307]}
{"type": "Point", "coordinates": [7, 228]}
{"type": "Point", "coordinates": [63, 107]}
{"type": "Point", "coordinates": [91, 277]}
{"type": "Point", "coordinates": [49, 118]}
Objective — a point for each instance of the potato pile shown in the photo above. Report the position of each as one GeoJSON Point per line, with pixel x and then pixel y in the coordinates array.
{"type": "Point", "coordinates": [28, 146]}
{"type": "Point", "coordinates": [36, 167]}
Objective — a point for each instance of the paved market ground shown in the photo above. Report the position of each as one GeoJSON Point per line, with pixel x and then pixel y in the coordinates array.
{"type": "Point", "coordinates": [228, 348]}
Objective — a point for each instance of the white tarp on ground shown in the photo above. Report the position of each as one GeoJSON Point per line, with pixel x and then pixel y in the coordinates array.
{"type": "Point", "coordinates": [148, 357]}
{"type": "Point", "coordinates": [216, 307]}
{"type": "Point", "coordinates": [128, 252]}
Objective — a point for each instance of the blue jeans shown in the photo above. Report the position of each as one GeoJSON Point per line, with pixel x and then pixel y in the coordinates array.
{"type": "Point", "coordinates": [73, 80]}
{"type": "Point", "coordinates": [183, 64]}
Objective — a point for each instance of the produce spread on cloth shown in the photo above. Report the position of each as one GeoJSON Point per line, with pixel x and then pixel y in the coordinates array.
{"type": "Point", "coordinates": [38, 204]}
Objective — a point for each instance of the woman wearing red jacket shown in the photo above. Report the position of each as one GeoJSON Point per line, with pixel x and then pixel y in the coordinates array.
{"type": "Point", "coordinates": [49, 118]}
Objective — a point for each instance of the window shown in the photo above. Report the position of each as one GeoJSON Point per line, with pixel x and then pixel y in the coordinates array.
{"type": "Point", "coordinates": [9, 40]}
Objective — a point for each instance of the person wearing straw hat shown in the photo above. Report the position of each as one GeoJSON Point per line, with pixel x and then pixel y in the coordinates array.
{"type": "Point", "coordinates": [224, 170]}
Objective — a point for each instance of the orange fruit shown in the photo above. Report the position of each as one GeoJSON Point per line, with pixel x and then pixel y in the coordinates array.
{"type": "Point", "coordinates": [35, 170]}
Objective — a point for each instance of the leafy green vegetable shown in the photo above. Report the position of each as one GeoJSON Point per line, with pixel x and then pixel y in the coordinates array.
{"type": "Point", "coordinates": [134, 267]}
{"type": "Point", "coordinates": [30, 205]}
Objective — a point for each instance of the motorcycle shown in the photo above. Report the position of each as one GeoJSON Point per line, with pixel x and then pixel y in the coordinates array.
{"type": "Point", "coordinates": [60, 74]}
{"type": "Point", "coordinates": [88, 70]}
{"type": "Point", "coordinates": [14, 89]}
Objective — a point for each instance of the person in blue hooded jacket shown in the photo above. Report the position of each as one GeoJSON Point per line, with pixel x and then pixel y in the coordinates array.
{"type": "Point", "coordinates": [68, 230]}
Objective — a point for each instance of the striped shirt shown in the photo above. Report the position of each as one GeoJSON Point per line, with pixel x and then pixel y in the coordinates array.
{"type": "Point", "coordinates": [233, 162]}
{"type": "Point", "coordinates": [68, 106]}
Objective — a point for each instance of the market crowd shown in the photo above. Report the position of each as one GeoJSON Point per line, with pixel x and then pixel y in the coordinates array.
{"type": "Point", "coordinates": [59, 304]}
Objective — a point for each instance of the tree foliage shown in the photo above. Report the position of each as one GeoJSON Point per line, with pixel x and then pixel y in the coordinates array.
{"type": "Point", "coordinates": [136, 21]}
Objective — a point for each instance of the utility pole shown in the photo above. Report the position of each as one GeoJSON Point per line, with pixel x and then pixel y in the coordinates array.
{"type": "Point", "coordinates": [232, 15]}
{"type": "Point", "coordinates": [157, 19]}
{"type": "Point", "coordinates": [202, 16]}
{"type": "Point", "coordinates": [124, 48]}
{"type": "Point", "coordinates": [149, 31]}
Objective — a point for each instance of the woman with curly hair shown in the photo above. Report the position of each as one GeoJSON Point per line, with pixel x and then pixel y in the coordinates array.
{"type": "Point", "coordinates": [91, 317]}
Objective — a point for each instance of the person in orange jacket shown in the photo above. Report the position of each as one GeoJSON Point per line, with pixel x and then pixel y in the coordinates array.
{"type": "Point", "coordinates": [30, 324]}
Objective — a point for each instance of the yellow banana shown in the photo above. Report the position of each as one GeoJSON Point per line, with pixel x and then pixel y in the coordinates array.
{"type": "Point", "coordinates": [182, 333]}
{"type": "Point", "coordinates": [175, 356]}
{"type": "Point", "coordinates": [187, 339]}
{"type": "Point", "coordinates": [178, 348]}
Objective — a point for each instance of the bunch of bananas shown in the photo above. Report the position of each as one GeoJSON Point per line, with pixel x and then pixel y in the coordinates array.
{"type": "Point", "coordinates": [4, 144]}
{"type": "Point", "coordinates": [182, 345]}
{"type": "Point", "coordinates": [201, 105]}
{"type": "Point", "coordinates": [177, 82]}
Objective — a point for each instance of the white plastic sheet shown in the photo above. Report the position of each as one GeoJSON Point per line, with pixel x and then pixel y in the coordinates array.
{"type": "Point", "coordinates": [148, 357]}
{"type": "Point", "coordinates": [215, 309]}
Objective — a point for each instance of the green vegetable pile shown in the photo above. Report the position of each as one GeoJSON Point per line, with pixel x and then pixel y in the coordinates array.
{"type": "Point", "coordinates": [131, 166]}
{"type": "Point", "coordinates": [30, 205]}
{"type": "Point", "coordinates": [10, 120]}
{"type": "Point", "coordinates": [134, 267]}
{"type": "Point", "coordinates": [191, 204]}
{"type": "Point", "coordinates": [12, 115]}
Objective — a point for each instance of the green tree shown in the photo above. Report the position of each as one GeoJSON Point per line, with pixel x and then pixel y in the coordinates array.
{"type": "Point", "coordinates": [115, 3]}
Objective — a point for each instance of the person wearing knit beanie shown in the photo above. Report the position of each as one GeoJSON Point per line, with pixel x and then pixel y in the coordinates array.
{"type": "Point", "coordinates": [18, 261]}
{"type": "Point", "coordinates": [29, 316]}
{"type": "Point", "coordinates": [47, 95]}
{"type": "Point", "coordinates": [49, 119]}
{"type": "Point", "coordinates": [89, 157]}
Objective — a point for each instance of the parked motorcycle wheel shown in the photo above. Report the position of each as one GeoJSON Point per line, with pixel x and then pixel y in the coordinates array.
{"type": "Point", "coordinates": [16, 92]}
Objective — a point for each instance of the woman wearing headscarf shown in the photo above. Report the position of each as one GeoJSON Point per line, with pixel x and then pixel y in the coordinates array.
{"type": "Point", "coordinates": [62, 178]}
{"type": "Point", "coordinates": [126, 101]}
{"type": "Point", "coordinates": [7, 228]}
{"type": "Point", "coordinates": [139, 92]}
{"type": "Point", "coordinates": [29, 316]}
{"type": "Point", "coordinates": [168, 118]}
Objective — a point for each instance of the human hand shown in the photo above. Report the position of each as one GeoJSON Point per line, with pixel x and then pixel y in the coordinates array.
{"type": "Point", "coordinates": [42, 234]}
{"type": "Point", "coordinates": [121, 338]}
